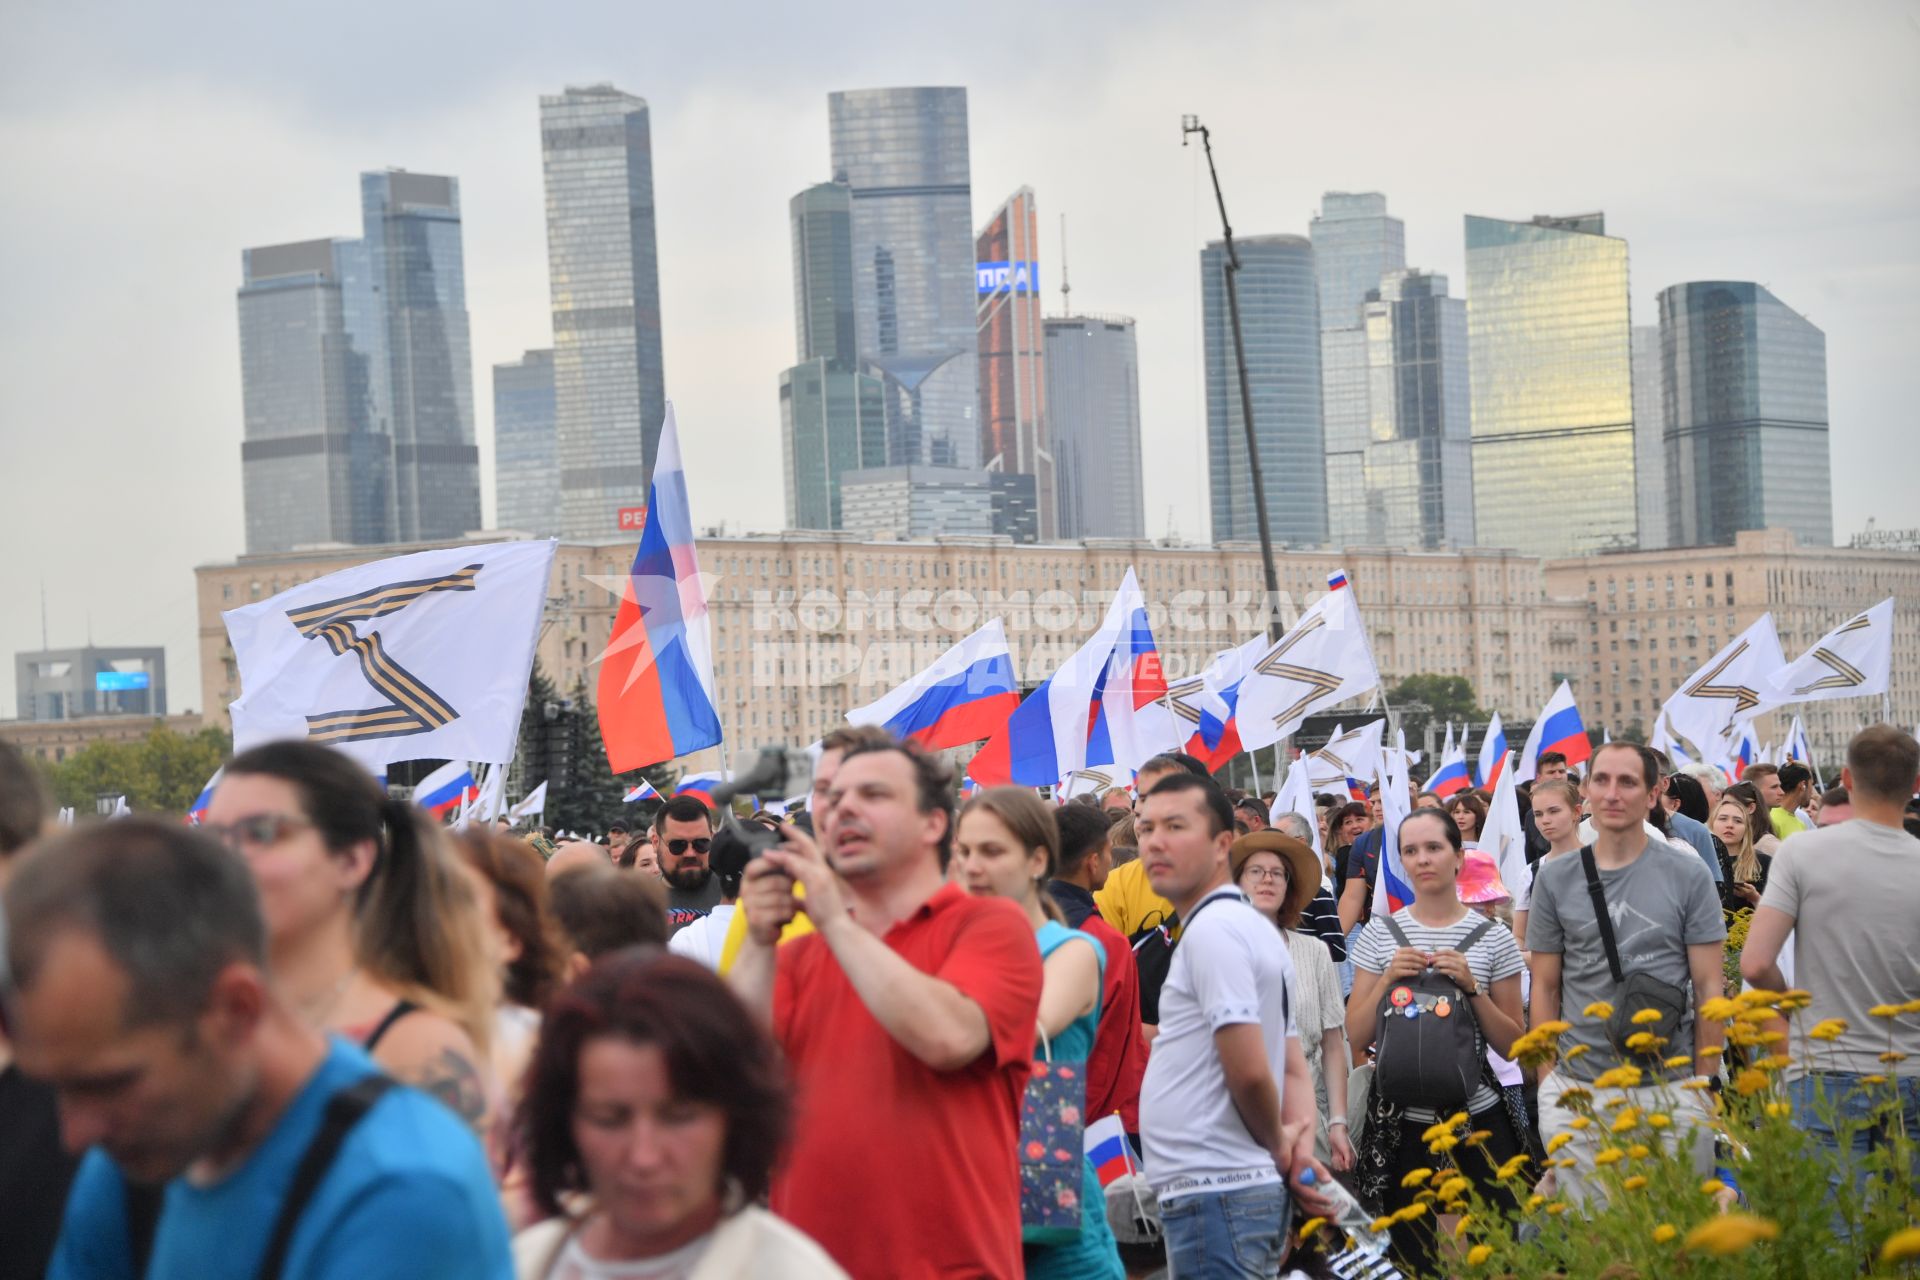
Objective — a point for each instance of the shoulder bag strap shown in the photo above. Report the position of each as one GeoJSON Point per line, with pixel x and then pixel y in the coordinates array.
{"type": "Point", "coordinates": [1599, 896]}
{"type": "Point", "coordinates": [344, 1111]}
{"type": "Point", "coordinates": [144, 1202]}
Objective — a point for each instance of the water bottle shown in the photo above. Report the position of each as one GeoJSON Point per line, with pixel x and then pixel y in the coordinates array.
{"type": "Point", "coordinates": [1348, 1215]}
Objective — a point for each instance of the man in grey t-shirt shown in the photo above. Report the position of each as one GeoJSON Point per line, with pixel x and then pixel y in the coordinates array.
{"type": "Point", "coordinates": [1666, 922]}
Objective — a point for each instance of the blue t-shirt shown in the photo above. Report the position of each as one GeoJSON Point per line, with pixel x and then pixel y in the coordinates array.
{"type": "Point", "coordinates": [408, 1195]}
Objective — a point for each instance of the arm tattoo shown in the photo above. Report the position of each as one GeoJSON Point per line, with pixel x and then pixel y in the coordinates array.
{"type": "Point", "coordinates": [452, 1078]}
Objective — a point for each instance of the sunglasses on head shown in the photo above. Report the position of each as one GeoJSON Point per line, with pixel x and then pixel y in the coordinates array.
{"type": "Point", "coordinates": [700, 845]}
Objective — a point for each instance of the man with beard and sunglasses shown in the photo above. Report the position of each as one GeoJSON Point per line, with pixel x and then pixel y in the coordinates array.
{"type": "Point", "coordinates": [682, 838]}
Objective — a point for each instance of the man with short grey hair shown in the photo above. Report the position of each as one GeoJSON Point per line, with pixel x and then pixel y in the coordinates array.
{"type": "Point", "coordinates": [139, 992]}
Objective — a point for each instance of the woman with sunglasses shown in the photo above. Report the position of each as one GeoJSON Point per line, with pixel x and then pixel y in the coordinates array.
{"type": "Point", "coordinates": [1005, 846]}
{"type": "Point", "coordinates": [374, 929]}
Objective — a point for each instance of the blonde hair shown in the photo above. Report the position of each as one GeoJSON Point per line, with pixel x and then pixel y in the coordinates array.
{"type": "Point", "coordinates": [1746, 858]}
{"type": "Point", "coordinates": [1029, 821]}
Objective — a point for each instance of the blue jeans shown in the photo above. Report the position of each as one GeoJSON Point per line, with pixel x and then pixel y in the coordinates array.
{"type": "Point", "coordinates": [1836, 1108]}
{"type": "Point", "coordinates": [1226, 1235]}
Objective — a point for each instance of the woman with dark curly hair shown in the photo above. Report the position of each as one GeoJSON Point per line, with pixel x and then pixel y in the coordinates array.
{"type": "Point", "coordinates": [655, 1109]}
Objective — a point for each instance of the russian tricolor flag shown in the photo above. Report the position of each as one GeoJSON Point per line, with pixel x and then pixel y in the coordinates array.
{"type": "Point", "coordinates": [1217, 739]}
{"type": "Point", "coordinates": [643, 790]}
{"type": "Point", "coordinates": [1098, 708]}
{"type": "Point", "coordinates": [1451, 777]}
{"type": "Point", "coordinates": [1559, 728]}
{"type": "Point", "coordinates": [1108, 1149]}
{"type": "Point", "coordinates": [197, 811]}
{"type": "Point", "coordinates": [446, 789]}
{"type": "Point", "coordinates": [655, 690]}
{"type": "Point", "coordinates": [700, 786]}
{"type": "Point", "coordinates": [1493, 755]}
{"type": "Point", "coordinates": [965, 696]}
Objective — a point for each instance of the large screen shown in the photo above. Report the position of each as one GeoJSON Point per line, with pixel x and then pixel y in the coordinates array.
{"type": "Point", "coordinates": [115, 681]}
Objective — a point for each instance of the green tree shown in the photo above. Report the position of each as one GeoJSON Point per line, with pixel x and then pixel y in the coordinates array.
{"type": "Point", "coordinates": [1421, 700]}
{"type": "Point", "coordinates": [560, 744]}
{"type": "Point", "coordinates": [161, 773]}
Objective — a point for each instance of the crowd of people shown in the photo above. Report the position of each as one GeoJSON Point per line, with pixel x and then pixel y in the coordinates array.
{"type": "Point", "coordinates": [319, 1035]}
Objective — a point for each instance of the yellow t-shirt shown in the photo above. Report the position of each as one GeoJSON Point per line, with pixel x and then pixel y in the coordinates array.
{"type": "Point", "coordinates": [1128, 902]}
{"type": "Point", "coordinates": [736, 938]}
{"type": "Point", "coordinates": [1786, 823]}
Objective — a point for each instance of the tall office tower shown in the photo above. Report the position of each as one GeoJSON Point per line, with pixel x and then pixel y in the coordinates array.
{"type": "Point", "coordinates": [608, 383]}
{"type": "Point", "coordinates": [903, 152]}
{"type": "Point", "coordinates": [1346, 414]}
{"type": "Point", "coordinates": [832, 412]}
{"type": "Point", "coordinates": [1354, 244]}
{"type": "Point", "coordinates": [1281, 326]}
{"type": "Point", "coordinates": [1419, 455]}
{"type": "Point", "coordinates": [1093, 412]}
{"type": "Point", "coordinates": [416, 268]}
{"type": "Point", "coordinates": [919, 502]}
{"type": "Point", "coordinates": [526, 481]}
{"type": "Point", "coordinates": [1549, 342]}
{"type": "Point", "coordinates": [1013, 383]}
{"type": "Point", "coordinates": [1745, 392]}
{"type": "Point", "coordinates": [316, 460]}
{"type": "Point", "coordinates": [1649, 439]}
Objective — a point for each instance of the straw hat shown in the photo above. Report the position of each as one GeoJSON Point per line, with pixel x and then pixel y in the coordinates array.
{"type": "Point", "coordinates": [1303, 869]}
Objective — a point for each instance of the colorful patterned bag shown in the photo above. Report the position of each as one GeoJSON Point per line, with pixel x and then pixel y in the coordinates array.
{"type": "Point", "coordinates": [1052, 1149]}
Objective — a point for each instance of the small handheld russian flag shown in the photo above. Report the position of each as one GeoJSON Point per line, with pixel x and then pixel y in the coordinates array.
{"type": "Point", "coordinates": [643, 790]}
{"type": "Point", "coordinates": [1108, 1150]}
{"type": "Point", "coordinates": [197, 811]}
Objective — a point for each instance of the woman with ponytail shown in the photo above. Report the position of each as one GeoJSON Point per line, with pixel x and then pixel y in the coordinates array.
{"type": "Point", "coordinates": [374, 929]}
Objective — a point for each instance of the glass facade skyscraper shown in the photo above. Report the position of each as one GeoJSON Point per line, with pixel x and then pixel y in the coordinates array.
{"type": "Point", "coordinates": [1551, 352]}
{"type": "Point", "coordinates": [526, 478]}
{"type": "Point", "coordinates": [1744, 386]}
{"type": "Point", "coordinates": [1093, 412]}
{"type": "Point", "coordinates": [832, 421]}
{"type": "Point", "coordinates": [1013, 383]}
{"type": "Point", "coordinates": [1347, 414]}
{"type": "Point", "coordinates": [1354, 244]}
{"type": "Point", "coordinates": [1281, 324]}
{"type": "Point", "coordinates": [609, 385]}
{"type": "Point", "coordinates": [903, 153]}
{"type": "Point", "coordinates": [421, 351]}
{"type": "Point", "coordinates": [316, 461]}
{"type": "Point", "coordinates": [822, 218]}
{"type": "Point", "coordinates": [1649, 439]}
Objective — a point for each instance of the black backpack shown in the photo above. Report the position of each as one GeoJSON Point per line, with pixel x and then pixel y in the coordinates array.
{"type": "Point", "coordinates": [1429, 1050]}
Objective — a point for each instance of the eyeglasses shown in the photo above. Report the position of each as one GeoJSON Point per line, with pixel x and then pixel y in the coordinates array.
{"type": "Point", "coordinates": [700, 845]}
{"type": "Point", "coordinates": [1264, 873]}
{"type": "Point", "coordinates": [261, 831]}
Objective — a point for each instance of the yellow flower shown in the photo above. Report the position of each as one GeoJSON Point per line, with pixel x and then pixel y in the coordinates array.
{"type": "Point", "coordinates": [1638, 1151]}
{"type": "Point", "coordinates": [1694, 1086]}
{"type": "Point", "coordinates": [1454, 1186]}
{"type": "Point", "coordinates": [1665, 1232]}
{"type": "Point", "coordinates": [1554, 1028]}
{"type": "Point", "coordinates": [1885, 1011]}
{"type": "Point", "coordinates": [1719, 1009]}
{"type": "Point", "coordinates": [1437, 1130]}
{"type": "Point", "coordinates": [1779, 1110]}
{"type": "Point", "coordinates": [1749, 1082]}
{"type": "Point", "coordinates": [1380, 1224]}
{"type": "Point", "coordinates": [1628, 1117]}
{"type": "Point", "coordinates": [1554, 1143]}
{"type": "Point", "coordinates": [1610, 1155]}
{"type": "Point", "coordinates": [1575, 1093]}
{"type": "Point", "coordinates": [1511, 1167]}
{"type": "Point", "coordinates": [1415, 1177]}
{"type": "Point", "coordinates": [1795, 999]}
{"type": "Point", "coordinates": [1440, 1146]}
{"type": "Point", "coordinates": [1576, 1051]}
{"type": "Point", "coordinates": [1478, 1136]}
{"type": "Point", "coordinates": [1618, 1078]}
{"type": "Point", "coordinates": [1634, 1183]}
{"type": "Point", "coordinates": [1829, 1029]}
{"type": "Point", "coordinates": [1873, 1079]}
{"type": "Point", "coordinates": [1579, 1122]}
{"type": "Point", "coordinates": [1479, 1254]}
{"type": "Point", "coordinates": [1460, 1227]}
{"type": "Point", "coordinates": [1641, 1040]}
{"type": "Point", "coordinates": [1778, 1062]}
{"type": "Point", "coordinates": [1891, 1056]}
{"type": "Point", "coordinates": [1712, 1187]}
{"type": "Point", "coordinates": [1678, 1061]}
{"type": "Point", "coordinates": [1599, 1009]}
{"type": "Point", "coordinates": [1755, 1017]}
{"type": "Point", "coordinates": [1901, 1246]}
{"type": "Point", "coordinates": [1712, 1051]}
{"type": "Point", "coordinates": [1557, 1207]}
{"type": "Point", "coordinates": [1659, 1119]}
{"type": "Point", "coordinates": [1645, 1016]}
{"type": "Point", "coordinates": [1409, 1213]}
{"type": "Point", "coordinates": [1911, 1006]}
{"type": "Point", "coordinates": [1310, 1226]}
{"type": "Point", "coordinates": [1534, 1201]}
{"type": "Point", "coordinates": [1730, 1233]}
{"type": "Point", "coordinates": [1755, 997]}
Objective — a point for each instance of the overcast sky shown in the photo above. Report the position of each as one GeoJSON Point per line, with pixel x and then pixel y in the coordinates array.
{"type": "Point", "coordinates": [143, 146]}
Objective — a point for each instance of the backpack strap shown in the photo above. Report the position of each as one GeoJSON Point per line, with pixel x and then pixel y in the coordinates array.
{"type": "Point", "coordinates": [1466, 944]}
{"type": "Point", "coordinates": [1600, 915]}
{"type": "Point", "coordinates": [144, 1202]}
{"type": "Point", "coordinates": [344, 1110]}
{"type": "Point", "coordinates": [1393, 927]}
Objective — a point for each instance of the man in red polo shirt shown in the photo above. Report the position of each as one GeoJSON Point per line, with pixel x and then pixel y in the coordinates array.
{"type": "Point", "coordinates": [908, 1021]}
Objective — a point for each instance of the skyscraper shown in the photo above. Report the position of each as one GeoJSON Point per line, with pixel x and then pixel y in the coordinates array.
{"type": "Point", "coordinates": [1093, 412]}
{"type": "Point", "coordinates": [1549, 343]}
{"type": "Point", "coordinates": [526, 482]}
{"type": "Point", "coordinates": [832, 414]}
{"type": "Point", "coordinates": [903, 153]}
{"type": "Point", "coordinates": [1354, 244]}
{"type": "Point", "coordinates": [416, 267]}
{"type": "Point", "coordinates": [1745, 392]}
{"type": "Point", "coordinates": [609, 385]}
{"type": "Point", "coordinates": [1281, 325]}
{"type": "Point", "coordinates": [1013, 390]}
{"type": "Point", "coordinates": [1649, 439]}
{"type": "Point", "coordinates": [316, 461]}
{"type": "Point", "coordinates": [1420, 462]}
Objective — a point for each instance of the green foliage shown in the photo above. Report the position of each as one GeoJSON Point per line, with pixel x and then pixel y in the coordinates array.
{"type": "Point", "coordinates": [1421, 700]}
{"type": "Point", "coordinates": [560, 744]}
{"type": "Point", "coordinates": [161, 773]}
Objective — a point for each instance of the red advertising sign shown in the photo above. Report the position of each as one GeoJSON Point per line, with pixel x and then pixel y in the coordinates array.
{"type": "Point", "coordinates": [633, 519]}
